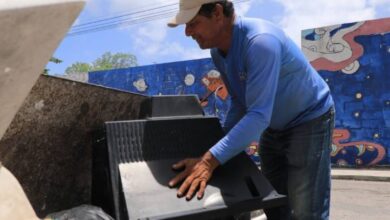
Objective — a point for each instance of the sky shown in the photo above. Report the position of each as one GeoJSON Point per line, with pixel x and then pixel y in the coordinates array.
{"type": "Point", "coordinates": [154, 43]}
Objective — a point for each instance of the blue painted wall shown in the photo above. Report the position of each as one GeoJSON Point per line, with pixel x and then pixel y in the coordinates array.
{"type": "Point", "coordinates": [354, 59]}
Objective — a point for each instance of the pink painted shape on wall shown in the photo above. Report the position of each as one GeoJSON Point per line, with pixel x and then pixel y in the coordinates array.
{"type": "Point", "coordinates": [367, 28]}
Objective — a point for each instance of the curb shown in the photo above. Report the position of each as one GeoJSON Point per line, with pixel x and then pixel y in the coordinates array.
{"type": "Point", "coordinates": [362, 178]}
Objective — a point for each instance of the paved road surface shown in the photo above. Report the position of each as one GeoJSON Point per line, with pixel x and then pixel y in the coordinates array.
{"type": "Point", "coordinates": [360, 200]}
{"type": "Point", "coordinates": [356, 200]}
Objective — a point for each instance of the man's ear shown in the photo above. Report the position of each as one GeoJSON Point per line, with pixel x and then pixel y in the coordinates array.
{"type": "Point", "coordinates": [218, 12]}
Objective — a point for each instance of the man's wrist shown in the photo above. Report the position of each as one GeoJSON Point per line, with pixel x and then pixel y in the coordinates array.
{"type": "Point", "coordinates": [209, 159]}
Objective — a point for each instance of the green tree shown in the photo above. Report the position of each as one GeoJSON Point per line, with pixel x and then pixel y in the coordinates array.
{"type": "Point", "coordinates": [114, 61]}
{"type": "Point", "coordinates": [53, 60]}
{"type": "Point", "coordinates": [78, 67]}
{"type": "Point", "coordinates": [107, 61]}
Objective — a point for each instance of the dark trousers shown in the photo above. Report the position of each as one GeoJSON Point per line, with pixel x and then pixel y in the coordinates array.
{"type": "Point", "coordinates": [297, 163]}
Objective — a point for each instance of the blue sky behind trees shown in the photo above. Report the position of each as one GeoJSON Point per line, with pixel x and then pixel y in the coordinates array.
{"type": "Point", "coordinates": [139, 27]}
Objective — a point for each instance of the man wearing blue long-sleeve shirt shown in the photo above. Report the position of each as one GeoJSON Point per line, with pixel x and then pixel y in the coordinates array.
{"type": "Point", "coordinates": [276, 97]}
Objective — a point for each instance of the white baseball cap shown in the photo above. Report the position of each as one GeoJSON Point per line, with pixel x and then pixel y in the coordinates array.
{"type": "Point", "coordinates": [188, 9]}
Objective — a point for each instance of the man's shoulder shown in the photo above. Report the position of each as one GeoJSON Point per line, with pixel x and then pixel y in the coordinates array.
{"type": "Point", "coordinates": [257, 28]}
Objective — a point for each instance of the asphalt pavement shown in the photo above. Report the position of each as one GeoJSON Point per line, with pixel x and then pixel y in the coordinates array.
{"type": "Point", "coordinates": [357, 194]}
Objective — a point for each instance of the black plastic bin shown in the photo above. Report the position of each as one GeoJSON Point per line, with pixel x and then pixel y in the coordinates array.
{"type": "Point", "coordinates": [135, 170]}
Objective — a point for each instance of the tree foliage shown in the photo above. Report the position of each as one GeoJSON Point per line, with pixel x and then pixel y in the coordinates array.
{"type": "Point", "coordinates": [78, 67]}
{"type": "Point", "coordinates": [106, 62]}
{"type": "Point", "coordinates": [53, 60]}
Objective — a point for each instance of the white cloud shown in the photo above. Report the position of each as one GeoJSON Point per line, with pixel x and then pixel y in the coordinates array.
{"type": "Point", "coordinates": [243, 7]}
{"type": "Point", "coordinates": [155, 31]}
{"type": "Point", "coordinates": [151, 41]}
{"type": "Point", "coordinates": [148, 37]}
{"type": "Point", "coordinates": [380, 5]}
{"type": "Point", "coordinates": [301, 14]}
{"type": "Point", "coordinates": [379, 2]}
{"type": "Point", "coordinates": [183, 53]}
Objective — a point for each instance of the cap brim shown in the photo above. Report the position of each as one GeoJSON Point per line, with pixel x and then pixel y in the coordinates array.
{"type": "Point", "coordinates": [183, 17]}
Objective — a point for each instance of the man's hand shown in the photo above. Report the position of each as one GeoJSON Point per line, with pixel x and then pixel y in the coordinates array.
{"type": "Point", "coordinates": [197, 172]}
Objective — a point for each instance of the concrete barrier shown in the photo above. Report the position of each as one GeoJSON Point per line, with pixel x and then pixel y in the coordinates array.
{"type": "Point", "coordinates": [30, 32]}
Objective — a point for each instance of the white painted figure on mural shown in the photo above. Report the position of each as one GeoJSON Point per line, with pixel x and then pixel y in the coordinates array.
{"type": "Point", "coordinates": [140, 85]}
{"type": "Point", "coordinates": [189, 80]}
{"type": "Point", "coordinates": [333, 48]}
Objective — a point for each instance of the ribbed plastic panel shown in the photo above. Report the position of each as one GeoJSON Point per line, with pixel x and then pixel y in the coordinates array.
{"type": "Point", "coordinates": [159, 139]}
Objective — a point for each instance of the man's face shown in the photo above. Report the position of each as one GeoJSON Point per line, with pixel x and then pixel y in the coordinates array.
{"type": "Point", "coordinates": [204, 30]}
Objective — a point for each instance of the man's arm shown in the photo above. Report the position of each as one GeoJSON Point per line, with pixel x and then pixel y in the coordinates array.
{"type": "Point", "coordinates": [263, 61]}
{"type": "Point", "coordinates": [234, 114]}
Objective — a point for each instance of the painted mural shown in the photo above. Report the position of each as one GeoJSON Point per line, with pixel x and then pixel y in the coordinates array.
{"type": "Point", "coordinates": [354, 59]}
{"type": "Point", "coordinates": [189, 77]}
